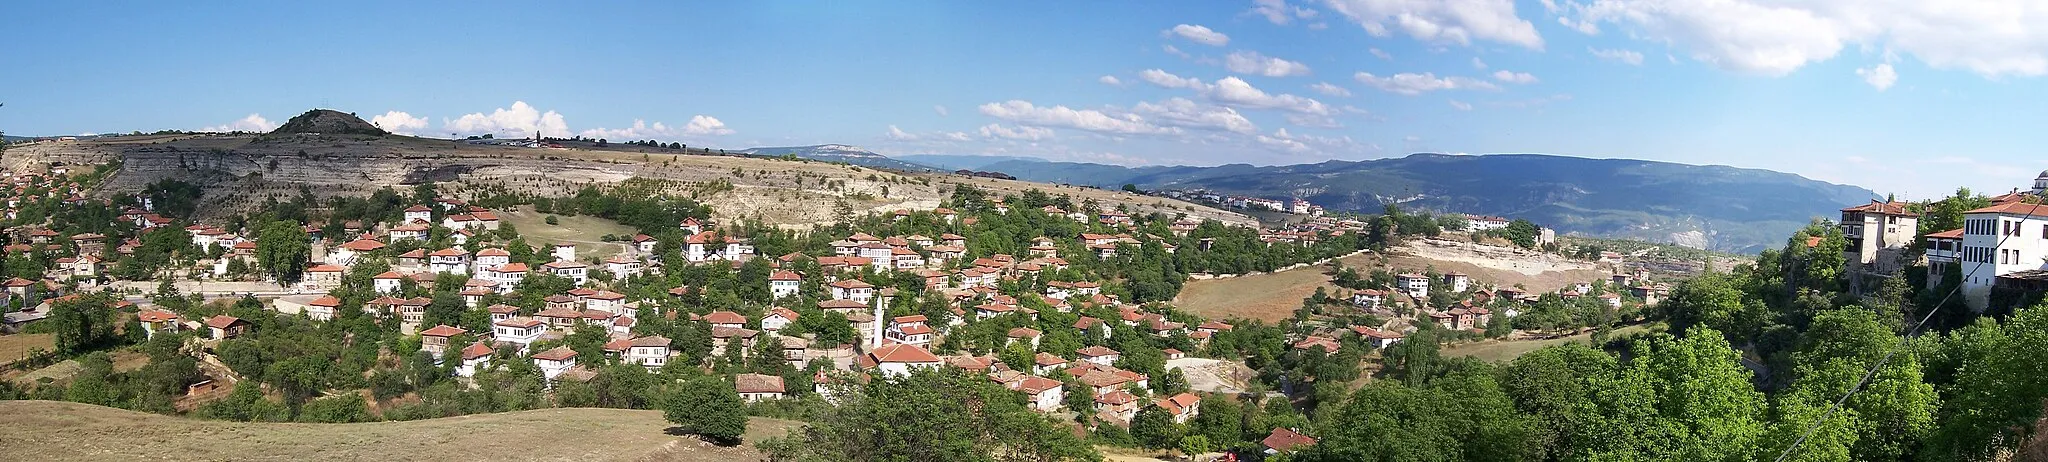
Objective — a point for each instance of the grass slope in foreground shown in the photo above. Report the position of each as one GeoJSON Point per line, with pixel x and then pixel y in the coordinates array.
{"type": "Point", "coordinates": [60, 431]}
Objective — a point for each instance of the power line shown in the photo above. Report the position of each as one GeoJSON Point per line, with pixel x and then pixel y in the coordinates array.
{"type": "Point", "coordinates": [1910, 332]}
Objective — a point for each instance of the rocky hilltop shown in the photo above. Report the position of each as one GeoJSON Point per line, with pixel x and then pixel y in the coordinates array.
{"type": "Point", "coordinates": [328, 122]}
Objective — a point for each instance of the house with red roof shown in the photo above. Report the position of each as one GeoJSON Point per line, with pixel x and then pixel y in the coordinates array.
{"type": "Point", "coordinates": [1285, 440]}
{"type": "Point", "coordinates": [896, 360]}
{"type": "Point", "coordinates": [1183, 406]}
{"type": "Point", "coordinates": [754, 388]}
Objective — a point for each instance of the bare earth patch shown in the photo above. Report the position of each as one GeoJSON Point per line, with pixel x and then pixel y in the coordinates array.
{"type": "Point", "coordinates": [69, 431]}
{"type": "Point", "coordinates": [15, 347]}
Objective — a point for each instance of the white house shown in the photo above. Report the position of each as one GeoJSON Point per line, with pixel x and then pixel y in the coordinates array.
{"type": "Point", "coordinates": [2002, 242]}
{"type": "Point", "coordinates": [1458, 281]}
{"type": "Point", "coordinates": [568, 269]}
{"type": "Point", "coordinates": [450, 260]}
{"type": "Point", "coordinates": [419, 213]}
{"type": "Point", "coordinates": [387, 282]}
{"type": "Point", "coordinates": [853, 289]}
{"type": "Point", "coordinates": [1098, 354]}
{"type": "Point", "coordinates": [554, 362]}
{"type": "Point", "coordinates": [754, 388]}
{"type": "Point", "coordinates": [1415, 285]}
{"type": "Point", "coordinates": [475, 358]}
{"type": "Point", "coordinates": [777, 318]}
{"type": "Point", "coordinates": [518, 330]}
{"type": "Point", "coordinates": [783, 284]}
{"type": "Point", "coordinates": [898, 360]}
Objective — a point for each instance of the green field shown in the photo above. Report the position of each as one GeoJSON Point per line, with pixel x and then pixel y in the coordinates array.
{"type": "Point", "coordinates": [1508, 350]}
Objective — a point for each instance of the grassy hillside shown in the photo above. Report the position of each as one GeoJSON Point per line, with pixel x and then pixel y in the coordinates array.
{"type": "Point", "coordinates": [59, 431]}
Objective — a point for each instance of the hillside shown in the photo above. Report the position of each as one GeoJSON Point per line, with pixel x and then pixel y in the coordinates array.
{"type": "Point", "coordinates": [237, 171]}
{"type": "Point", "coordinates": [60, 431]}
{"type": "Point", "coordinates": [837, 153]}
{"type": "Point", "coordinates": [1713, 207]}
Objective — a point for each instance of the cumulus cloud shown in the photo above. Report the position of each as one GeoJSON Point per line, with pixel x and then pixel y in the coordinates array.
{"type": "Point", "coordinates": [400, 122]}
{"type": "Point", "coordinates": [1279, 12]}
{"type": "Point", "coordinates": [1329, 89]}
{"type": "Point", "coordinates": [1988, 37]}
{"type": "Point", "coordinates": [1412, 84]}
{"type": "Point", "coordinates": [1168, 80]}
{"type": "Point", "coordinates": [1880, 77]}
{"type": "Point", "coordinates": [1025, 113]}
{"type": "Point", "coordinates": [701, 125]}
{"type": "Point", "coordinates": [1626, 56]}
{"type": "Point", "coordinates": [517, 121]}
{"type": "Point", "coordinates": [1182, 112]}
{"type": "Point", "coordinates": [1514, 77]}
{"type": "Point", "coordinates": [1235, 92]}
{"type": "Point", "coordinates": [1441, 21]}
{"type": "Point", "coordinates": [1110, 80]}
{"type": "Point", "coordinates": [1251, 62]}
{"type": "Point", "coordinates": [1013, 133]}
{"type": "Point", "coordinates": [252, 123]}
{"type": "Point", "coordinates": [1477, 64]}
{"type": "Point", "coordinates": [1200, 34]}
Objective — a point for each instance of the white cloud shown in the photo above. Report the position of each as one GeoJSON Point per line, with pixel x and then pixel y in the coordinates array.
{"type": "Point", "coordinates": [1110, 80]}
{"type": "Point", "coordinates": [1477, 64]}
{"type": "Point", "coordinates": [1329, 89]}
{"type": "Point", "coordinates": [897, 134]}
{"type": "Point", "coordinates": [1514, 77]}
{"type": "Point", "coordinates": [941, 109]}
{"type": "Point", "coordinates": [1181, 112]}
{"type": "Point", "coordinates": [1380, 53]}
{"type": "Point", "coordinates": [1014, 133]}
{"type": "Point", "coordinates": [1415, 84]}
{"type": "Point", "coordinates": [1168, 80]}
{"type": "Point", "coordinates": [1023, 112]}
{"type": "Point", "coordinates": [1172, 50]}
{"type": "Point", "coordinates": [252, 123]}
{"type": "Point", "coordinates": [1626, 56]}
{"type": "Point", "coordinates": [1233, 91]}
{"type": "Point", "coordinates": [518, 121]}
{"type": "Point", "coordinates": [1314, 121]}
{"type": "Point", "coordinates": [1411, 138]}
{"type": "Point", "coordinates": [1279, 12]}
{"type": "Point", "coordinates": [1295, 143]}
{"type": "Point", "coordinates": [1584, 27]}
{"type": "Point", "coordinates": [1442, 21]}
{"type": "Point", "coordinates": [1461, 105]}
{"type": "Point", "coordinates": [1199, 34]}
{"type": "Point", "coordinates": [1881, 77]}
{"type": "Point", "coordinates": [1989, 37]}
{"type": "Point", "coordinates": [400, 122]}
{"type": "Point", "coordinates": [700, 125]}
{"type": "Point", "coordinates": [705, 125]}
{"type": "Point", "coordinates": [1251, 62]}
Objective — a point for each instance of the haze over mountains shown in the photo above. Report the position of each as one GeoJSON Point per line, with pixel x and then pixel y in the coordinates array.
{"type": "Point", "coordinates": [1713, 207]}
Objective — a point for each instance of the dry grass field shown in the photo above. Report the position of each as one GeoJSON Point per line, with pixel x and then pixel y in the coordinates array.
{"type": "Point", "coordinates": [1274, 296]}
{"type": "Point", "coordinates": [15, 347]}
{"type": "Point", "coordinates": [1508, 350]}
{"type": "Point", "coordinates": [582, 230]}
{"type": "Point", "coordinates": [1268, 297]}
{"type": "Point", "coordinates": [59, 431]}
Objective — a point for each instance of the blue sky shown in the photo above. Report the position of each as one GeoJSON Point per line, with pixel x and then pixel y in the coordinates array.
{"type": "Point", "coordinates": [1908, 97]}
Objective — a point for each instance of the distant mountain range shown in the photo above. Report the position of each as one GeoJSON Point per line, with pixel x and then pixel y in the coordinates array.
{"type": "Point", "coordinates": [838, 153]}
{"type": "Point", "coordinates": [1713, 207]}
{"type": "Point", "coordinates": [963, 162]}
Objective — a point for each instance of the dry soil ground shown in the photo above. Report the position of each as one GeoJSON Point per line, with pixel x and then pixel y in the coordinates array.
{"type": "Point", "coordinates": [15, 347]}
{"type": "Point", "coordinates": [1275, 296]}
{"type": "Point", "coordinates": [60, 431]}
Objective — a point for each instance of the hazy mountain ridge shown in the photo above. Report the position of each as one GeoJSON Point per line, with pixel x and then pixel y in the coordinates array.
{"type": "Point", "coordinates": [1718, 207]}
{"type": "Point", "coordinates": [842, 153]}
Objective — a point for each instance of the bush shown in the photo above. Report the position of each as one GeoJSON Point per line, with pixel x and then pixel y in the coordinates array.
{"type": "Point", "coordinates": [552, 221]}
{"type": "Point", "coordinates": [710, 408]}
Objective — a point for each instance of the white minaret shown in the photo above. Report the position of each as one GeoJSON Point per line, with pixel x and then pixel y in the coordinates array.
{"type": "Point", "coordinates": [565, 251]}
{"type": "Point", "coordinates": [876, 342]}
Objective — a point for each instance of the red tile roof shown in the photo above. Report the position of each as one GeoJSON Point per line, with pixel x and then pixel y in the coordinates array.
{"type": "Point", "coordinates": [757, 383]}
{"type": "Point", "coordinates": [560, 353]}
{"type": "Point", "coordinates": [1882, 208]}
{"type": "Point", "coordinates": [725, 317]}
{"type": "Point", "coordinates": [1950, 234]}
{"type": "Point", "coordinates": [901, 353]}
{"type": "Point", "coordinates": [1284, 440]}
{"type": "Point", "coordinates": [2014, 208]}
{"type": "Point", "coordinates": [443, 330]}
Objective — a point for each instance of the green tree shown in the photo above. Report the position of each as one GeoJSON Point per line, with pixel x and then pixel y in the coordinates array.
{"type": "Point", "coordinates": [710, 408]}
{"type": "Point", "coordinates": [282, 250]}
{"type": "Point", "coordinates": [1154, 428]}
